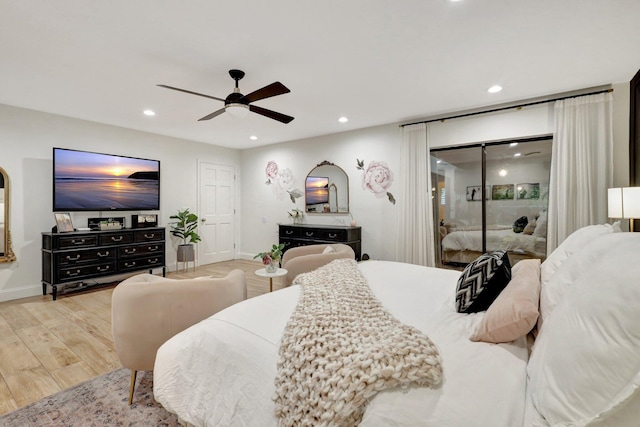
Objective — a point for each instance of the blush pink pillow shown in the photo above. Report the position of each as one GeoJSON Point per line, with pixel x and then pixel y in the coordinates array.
{"type": "Point", "coordinates": [515, 311]}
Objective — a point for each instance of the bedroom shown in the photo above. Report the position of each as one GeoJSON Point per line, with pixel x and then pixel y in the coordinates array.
{"type": "Point", "coordinates": [28, 133]}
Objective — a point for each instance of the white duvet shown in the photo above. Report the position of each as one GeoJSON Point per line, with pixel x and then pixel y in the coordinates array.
{"type": "Point", "coordinates": [496, 240]}
{"type": "Point", "coordinates": [221, 371]}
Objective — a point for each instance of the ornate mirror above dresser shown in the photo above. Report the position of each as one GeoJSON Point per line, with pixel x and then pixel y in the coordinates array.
{"type": "Point", "coordinates": [6, 253]}
{"type": "Point", "coordinates": [327, 190]}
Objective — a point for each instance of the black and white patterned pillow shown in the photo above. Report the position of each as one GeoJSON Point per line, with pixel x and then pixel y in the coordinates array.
{"type": "Point", "coordinates": [482, 281]}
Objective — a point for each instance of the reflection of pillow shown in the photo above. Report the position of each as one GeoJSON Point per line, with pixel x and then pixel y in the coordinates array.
{"type": "Point", "coordinates": [584, 367]}
{"type": "Point", "coordinates": [328, 250]}
{"type": "Point", "coordinates": [515, 311]}
{"type": "Point", "coordinates": [541, 225]}
{"type": "Point", "coordinates": [530, 227]}
{"type": "Point", "coordinates": [481, 282]}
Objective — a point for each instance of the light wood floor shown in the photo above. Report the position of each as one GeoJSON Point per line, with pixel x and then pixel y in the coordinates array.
{"type": "Point", "coordinates": [47, 346]}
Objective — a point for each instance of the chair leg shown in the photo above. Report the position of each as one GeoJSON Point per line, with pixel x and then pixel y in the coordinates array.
{"type": "Point", "coordinates": [132, 386]}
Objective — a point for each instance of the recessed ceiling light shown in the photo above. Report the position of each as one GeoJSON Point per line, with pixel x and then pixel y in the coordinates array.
{"type": "Point", "coordinates": [343, 119]}
{"type": "Point", "coordinates": [513, 144]}
{"type": "Point", "coordinates": [517, 155]}
{"type": "Point", "coordinates": [494, 89]}
{"type": "Point", "coordinates": [149, 113]}
{"type": "Point", "coordinates": [253, 137]}
{"type": "Point", "coordinates": [438, 161]}
{"type": "Point", "coordinates": [503, 172]}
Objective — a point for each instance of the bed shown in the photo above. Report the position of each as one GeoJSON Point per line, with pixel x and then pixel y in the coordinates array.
{"type": "Point", "coordinates": [463, 246]}
{"type": "Point", "coordinates": [220, 372]}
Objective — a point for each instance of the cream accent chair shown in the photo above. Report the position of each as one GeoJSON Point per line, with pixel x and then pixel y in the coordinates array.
{"type": "Point", "coordinates": [147, 310]}
{"type": "Point", "coordinates": [303, 259]}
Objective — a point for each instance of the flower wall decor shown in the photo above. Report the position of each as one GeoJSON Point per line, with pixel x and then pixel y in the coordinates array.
{"type": "Point", "coordinates": [282, 181]}
{"type": "Point", "coordinates": [377, 178]}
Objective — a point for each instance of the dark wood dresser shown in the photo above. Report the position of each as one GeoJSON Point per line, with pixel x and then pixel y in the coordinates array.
{"type": "Point", "coordinates": [69, 258]}
{"type": "Point", "coordinates": [293, 235]}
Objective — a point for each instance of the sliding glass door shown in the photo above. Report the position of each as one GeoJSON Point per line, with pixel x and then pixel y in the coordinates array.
{"type": "Point", "coordinates": [491, 197]}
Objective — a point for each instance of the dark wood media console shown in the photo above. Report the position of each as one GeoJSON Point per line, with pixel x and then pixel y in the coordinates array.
{"type": "Point", "coordinates": [69, 258]}
{"type": "Point", "coordinates": [309, 234]}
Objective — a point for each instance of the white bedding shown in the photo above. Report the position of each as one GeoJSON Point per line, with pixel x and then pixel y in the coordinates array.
{"type": "Point", "coordinates": [221, 371]}
{"type": "Point", "coordinates": [496, 240]}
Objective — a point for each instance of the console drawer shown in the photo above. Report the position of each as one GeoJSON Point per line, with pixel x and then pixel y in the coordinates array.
{"type": "Point", "coordinates": [82, 240]}
{"type": "Point", "coordinates": [149, 235]}
{"type": "Point", "coordinates": [72, 258]}
{"type": "Point", "coordinates": [140, 250]}
{"type": "Point", "coordinates": [74, 274]}
{"type": "Point", "coordinates": [333, 235]}
{"type": "Point", "coordinates": [116, 238]}
{"type": "Point", "coordinates": [289, 231]}
{"type": "Point", "coordinates": [141, 263]}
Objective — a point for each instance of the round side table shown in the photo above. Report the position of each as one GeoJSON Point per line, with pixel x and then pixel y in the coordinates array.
{"type": "Point", "coordinates": [263, 273]}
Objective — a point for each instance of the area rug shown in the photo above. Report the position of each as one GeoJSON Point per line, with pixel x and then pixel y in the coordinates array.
{"type": "Point", "coordinates": [102, 401]}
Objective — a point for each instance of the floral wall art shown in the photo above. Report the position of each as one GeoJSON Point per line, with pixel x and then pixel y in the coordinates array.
{"type": "Point", "coordinates": [377, 178]}
{"type": "Point", "coordinates": [281, 181]}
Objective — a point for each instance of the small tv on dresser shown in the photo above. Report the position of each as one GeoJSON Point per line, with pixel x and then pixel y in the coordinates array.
{"type": "Point", "coordinates": [88, 181]}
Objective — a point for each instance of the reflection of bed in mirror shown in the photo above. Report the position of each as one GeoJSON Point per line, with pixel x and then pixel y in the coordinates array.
{"type": "Point", "coordinates": [1, 240]}
{"type": "Point", "coordinates": [465, 245]}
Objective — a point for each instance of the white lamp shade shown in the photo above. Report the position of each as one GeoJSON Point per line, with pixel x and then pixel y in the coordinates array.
{"type": "Point", "coordinates": [239, 111]}
{"type": "Point", "coordinates": [615, 202]}
{"type": "Point", "coordinates": [631, 202]}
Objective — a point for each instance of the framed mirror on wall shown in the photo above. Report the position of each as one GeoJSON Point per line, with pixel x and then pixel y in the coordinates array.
{"type": "Point", "coordinates": [6, 252]}
{"type": "Point", "coordinates": [327, 190]}
{"type": "Point", "coordinates": [634, 136]}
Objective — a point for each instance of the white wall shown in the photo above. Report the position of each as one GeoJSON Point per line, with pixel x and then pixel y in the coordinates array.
{"type": "Point", "coordinates": [26, 141]}
{"type": "Point", "coordinates": [262, 210]}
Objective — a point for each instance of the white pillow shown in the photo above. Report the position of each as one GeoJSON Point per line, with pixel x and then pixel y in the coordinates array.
{"type": "Point", "coordinates": [541, 225]}
{"type": "Point", "coordinates": [584, 369]}
{"type": "Point", "coordinates": [575, 243]}
{"type": "Point", "coordinates": [328, 250]}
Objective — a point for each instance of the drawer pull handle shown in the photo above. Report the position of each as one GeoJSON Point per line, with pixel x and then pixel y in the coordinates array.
{"type": "Point", "coordinates": [102, 255]}
{"type": "Point", "coordinates": [288, 231]}
{"type": "Point", "coordinates": [133, 264]}
{"type": "Point", "coordinates": [333, 236]}
{"type": "Point", "coordinates": [152, 248]}
{"type": "Point", "coordinates": [77, 257]}
{"type": "Point", "coordinates": [106, 268]}
{"type": "Point", "coordinates": [77, 242]}
{"type": "Point", "coordinates": [130, 251]}
{"type": "Point", "coordinates": [152, 261]}
{"type": "Point", "coordinates": [72, 273]}
{"type": "Point", "coordinates": [149, 236]}
{"type": "Point", "coordinates": [116, 239]}
{"type": "Point", "coordinates": [309, 233]}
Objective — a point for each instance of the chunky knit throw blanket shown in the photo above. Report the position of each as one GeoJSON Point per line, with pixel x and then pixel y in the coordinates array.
{"type": "Point", "coordinates": [341, 346]}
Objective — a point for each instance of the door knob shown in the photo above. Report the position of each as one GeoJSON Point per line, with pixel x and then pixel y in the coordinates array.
{"type": "Point", "coordinates": [204, 220]}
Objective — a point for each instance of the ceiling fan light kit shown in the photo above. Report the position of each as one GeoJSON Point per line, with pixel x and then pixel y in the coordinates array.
{"type": "Point", "coordinates": [239, 105]}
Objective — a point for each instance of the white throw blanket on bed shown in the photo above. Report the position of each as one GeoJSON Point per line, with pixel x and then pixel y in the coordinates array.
{"type": "Point", "coordinates": [341, 346]}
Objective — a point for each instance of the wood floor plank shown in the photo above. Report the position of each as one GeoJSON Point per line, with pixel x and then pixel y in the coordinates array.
{"type": "Point", "coordinates": [73, 374]}
{"type": "Point", "coordinates": [15, 356]}
{"type": "Point", "coordinates": [45, 312]}
{"type": "Point", "coordinates": [99, 356]}
{"type": "Point", "coordinates": [19, 317]}
{"type": "Point", "coordinates": [7, 402]}
{"type": "Point", "coordinates": [49, 350]}
{"type": "Point", "coordinates": [31, 385]}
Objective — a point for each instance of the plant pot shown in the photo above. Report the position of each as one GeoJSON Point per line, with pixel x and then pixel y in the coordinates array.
{"type": "Point", "coordinates": [272, 267]}
{"type": "Point", "coordinates": [186, 253]}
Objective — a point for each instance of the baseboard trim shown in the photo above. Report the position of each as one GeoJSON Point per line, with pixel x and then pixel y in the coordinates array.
{"type": "Point", "coordinates": [19, 293]}
{"type": "Point", "coordinates": [245, 255]}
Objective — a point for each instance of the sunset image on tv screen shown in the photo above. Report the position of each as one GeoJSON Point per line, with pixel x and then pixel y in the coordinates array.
{"type": "Point", "coordinates": [94, 181]}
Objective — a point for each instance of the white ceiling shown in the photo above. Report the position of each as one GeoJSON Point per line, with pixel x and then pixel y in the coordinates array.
{"type": "Point", "coordinates": [374, 61]}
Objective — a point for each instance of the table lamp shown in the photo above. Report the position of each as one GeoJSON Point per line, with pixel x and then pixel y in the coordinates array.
{"type": "Point", "coordinates": [624, 202]}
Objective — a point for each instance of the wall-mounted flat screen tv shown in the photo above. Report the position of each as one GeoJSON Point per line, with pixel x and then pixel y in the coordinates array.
{"type": "Point", "coordinates": [317, 190]}
{"type": "Point", "coordinates": [86, 181]}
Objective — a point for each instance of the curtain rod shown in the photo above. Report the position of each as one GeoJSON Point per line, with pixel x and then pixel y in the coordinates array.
{"type": "Point", "coordinates": [519, 106]}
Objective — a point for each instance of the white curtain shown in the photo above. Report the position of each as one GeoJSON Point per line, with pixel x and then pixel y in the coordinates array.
{"type": "Point", "coordinates": [415, 226]}
{"type": "Point", "coordinates": [581, 165]}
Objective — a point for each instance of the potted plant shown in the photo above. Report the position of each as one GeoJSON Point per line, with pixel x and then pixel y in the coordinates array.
{"type": "Point", "coordinates": [271, 258]}
{"type": "Point", "coordinates": [185, 228]}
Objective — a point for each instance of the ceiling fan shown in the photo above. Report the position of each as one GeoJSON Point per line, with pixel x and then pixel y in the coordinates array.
{"type": "Point", "coordinates": [239, 105]}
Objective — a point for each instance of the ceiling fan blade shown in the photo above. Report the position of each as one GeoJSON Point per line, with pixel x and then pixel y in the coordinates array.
{"type": "Point", "coordinates": [271, 114]}
{"type": "Point", "coordinates": [273, 89]}
{"type": "Point", "coordinates": [190, 92]}
{"type": "Point", "coordinates": [212, 115]}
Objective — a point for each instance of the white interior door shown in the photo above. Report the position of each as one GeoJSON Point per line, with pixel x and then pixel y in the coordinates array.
{"type": "Point", "coordinates": [217, 213]}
